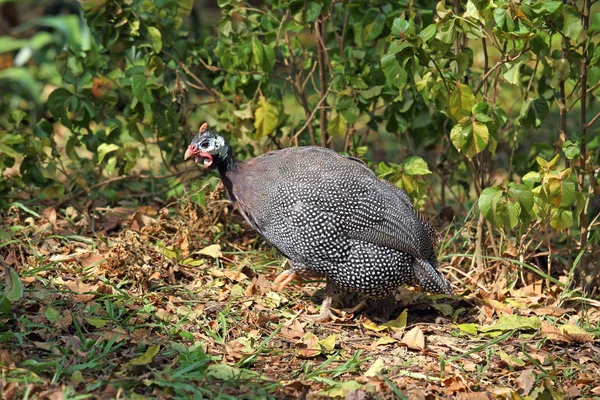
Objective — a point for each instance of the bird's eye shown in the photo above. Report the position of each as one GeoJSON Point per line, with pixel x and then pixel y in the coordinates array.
{"type": "Point", "coordinates": [204, 145]}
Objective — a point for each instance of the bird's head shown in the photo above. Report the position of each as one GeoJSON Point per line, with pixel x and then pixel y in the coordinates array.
{"type": "Point", "coordinates": [209, 147]}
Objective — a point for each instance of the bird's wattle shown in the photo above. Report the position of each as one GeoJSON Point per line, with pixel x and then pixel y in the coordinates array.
{"type": "Point", "coordinates": [194, 151]}
{"type": "Point", "coordinates": [208, 159]}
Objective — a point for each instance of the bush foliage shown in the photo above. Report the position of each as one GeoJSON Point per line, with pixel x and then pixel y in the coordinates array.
{"type": "Point", "coordinates": [482, 103]}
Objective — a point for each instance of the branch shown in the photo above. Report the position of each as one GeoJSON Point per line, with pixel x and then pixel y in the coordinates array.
{"type": "Point", "coordinates": [592, 121]}
{"type": "Point", "coordinates": [285, 17]}
{"type": "Point", "coordinates": [486, 62]}
{"type": "Point", "coordinates": [441, 75]}
{"type": "Point", "coordinates": [497, 65]}
{"type": "Point", "coordinates": [321, 57]}
{"type": "Point", "coordinates": [312, 115]}
{"type": "Point", "coordinates": [301, 93]}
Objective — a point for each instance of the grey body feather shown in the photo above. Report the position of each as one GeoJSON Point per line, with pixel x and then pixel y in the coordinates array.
{"type": "Point", "coordinates": [332, 217]}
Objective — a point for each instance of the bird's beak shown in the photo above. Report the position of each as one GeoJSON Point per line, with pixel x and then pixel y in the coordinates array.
{"type": "Point", "coordinates": [191, 150]}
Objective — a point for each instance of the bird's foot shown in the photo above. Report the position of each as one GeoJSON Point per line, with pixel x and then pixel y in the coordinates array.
{"type": "Point", "coordinates": [325, 314]}
{"type": "Point", "coordinates": [283, 279]}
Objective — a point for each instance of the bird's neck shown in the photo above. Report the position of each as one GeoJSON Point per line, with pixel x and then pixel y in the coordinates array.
{"type": "Point", "coordinates": [228, 163]}
{"type": "Point", "coordinates": [227, 167]}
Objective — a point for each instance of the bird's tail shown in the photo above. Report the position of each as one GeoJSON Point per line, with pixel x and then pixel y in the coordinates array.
{"type": "Point", "coordinates": [429, 278]}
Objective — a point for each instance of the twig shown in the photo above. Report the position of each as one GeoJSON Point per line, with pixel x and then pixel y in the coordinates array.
{"type": "Point", "coordinates": [592, 121]}
{"type": "Point", "coordinates": [583, 221]}
{"type": "Point", "coordinates": [441, 75]}
{"type": "Point", "coordinates": [312, 115]}
{"type": "Point", "coordinates": [497, 65]}
{"type": "Point", "coordinates": [321, 57]}
{"type": "Point", "coordinates": [486, 62]}
{"type": "Point", "coordinates": [514, 146]}
{"type": "Point", "coordinates": [301, 94]}
{"type": "Point", "coordinates": [590, 90]}
{"type": "Point", "coordinates": [344, 27]}
{"type": "Point", "coordinates": [285, 17]}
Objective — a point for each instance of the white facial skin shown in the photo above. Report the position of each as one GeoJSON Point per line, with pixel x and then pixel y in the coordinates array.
{"type": "Point", "coordinates": [210, 146]}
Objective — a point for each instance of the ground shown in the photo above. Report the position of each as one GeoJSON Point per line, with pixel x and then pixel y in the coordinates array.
{"type": "Point", "coordinates": [173, 301]}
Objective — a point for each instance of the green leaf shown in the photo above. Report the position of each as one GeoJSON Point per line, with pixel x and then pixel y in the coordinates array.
{"type": "Point", "coordinates": [469, 328]}
{"type": "Point", "coordinates": [52, 314]}
{"type": "Point", "coordinates": [257, 52]}
{"type": "Point", "coordinates": [57, 104]}
{"type": "Point", "coordinates": [372, 30]}
{"type": "Point", "coordinates": [96, 322]}
{"type": "Point", "coordinates": [104, 149]}
{"type": "Point", "coordinates": [139, 89]}
{"type": "Point", "coordinates": [561, 219]}
{"type": "Point", "coordinates": [461, 101]}
{"type": "Point", "coordinates": [351, 114]}
{"type": "Point", "coordinates": [568, 193]}
{"type": "Point", "coordinates": [510, 214]}
{"type": "Point", "coordinates": [595, 25]}
{"type": "Point", "coordinates": [185, 7]}
{"type": "Point", "coordinates": [462, 63]}
{"type": "Point", "coordinates": [265, 118]}
{"type": "Point", "coordinates": [428, 33]}
{"type": "Point", "coordinates": [531, 178]}
{"type": "Point", "coordinates": [134, 131]}
{"type": "Point", "coordinates": [147, 357]}
{"type": "Point", "coordinates": [400, 27]}
{"type": "Point", "coordinates": [513, 73]}
{"type": "Point", "coordinates": [415, 165]}
{"type": "Point", "coordinates": [370, 93]}
{"type": "Point", "coordinates": [222, 372]}
{"type": "Point", "coordinates": [155, 39]}
{"type": "Point", "coordinates": [593, 75]}
{"type": "Point", "coordinates": [512, 322]}
{"type": "Point", "coordinates": [522, 194]}
{"type": "Point", "coordinates": [310, 13]}
{"type": "Point", "coordinates": [533, 112]}
{"type": "Point", "coordinates": [393, 71]}
{"type": "Point", "coordinates": [269, 59]}
{"type": "Point", "coordinates": [489, 196]}
{"type": "Point", "coordinates": [500, 17]}
{"type": "Point", "coordinates": [337, 126]}
{"type": "Point", "coordinates": [470, 139]}
{"type": "Point", "coordinates": [13, 285]}
{"type": "Point", "coordinates": [9, 151]}
{"type": "Point", "coordinates": [572, 27]}
{"type": "Point", "coordinates": [481, 4]}
{"type": "Point", "coordinates": [510, 360]}
{"type": "Point", "coordinates": [571, 149]}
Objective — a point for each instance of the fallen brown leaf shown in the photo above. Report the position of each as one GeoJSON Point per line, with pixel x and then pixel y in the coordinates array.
{"type": "Point", "coordinates": [455, 384]}
{"type": "Point", "coordinates": [551, 332]}
{"type": "Point", "coordinates": [414, 339]}
{"type": "Point", "coordinates": [525, 381]}
{"type": "Point", "coordinates": [474, 396]}
{"type": "Point", "coordinates": [308, 346]}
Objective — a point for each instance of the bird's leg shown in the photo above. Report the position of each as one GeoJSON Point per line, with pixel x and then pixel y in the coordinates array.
{"type": "Point", "coordinates": [283, 279]}
{"type": "Point", "coordinates": [325, 312]}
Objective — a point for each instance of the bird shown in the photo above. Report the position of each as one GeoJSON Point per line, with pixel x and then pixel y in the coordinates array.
{"type": "Point", "coordinates": [330, 216]}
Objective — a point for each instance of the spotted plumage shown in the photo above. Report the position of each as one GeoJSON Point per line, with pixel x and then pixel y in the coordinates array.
{"type": "Point", "coordinates": [330, 216]}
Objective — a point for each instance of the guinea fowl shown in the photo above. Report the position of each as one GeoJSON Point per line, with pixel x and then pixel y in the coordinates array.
{"type": "Point", "coordinates": [330, 216]}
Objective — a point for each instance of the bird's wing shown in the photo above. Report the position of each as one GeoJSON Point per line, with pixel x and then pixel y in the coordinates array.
{"type": "Point", "coordinates": [391, 223]}
{"type": "Point", "coordinates": [434, 236]}
{"type": "Point", "coordinates": [396, 224]}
